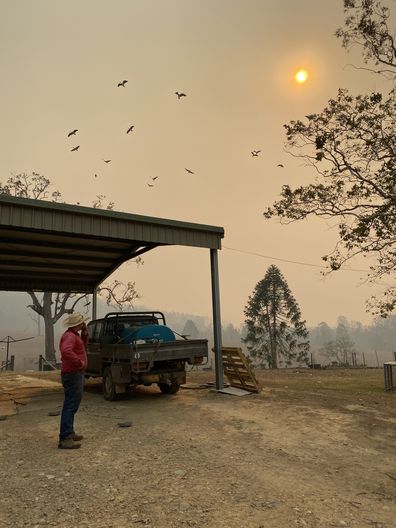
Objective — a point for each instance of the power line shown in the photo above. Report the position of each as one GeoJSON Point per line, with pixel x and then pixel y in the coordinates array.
{"type": "Point", "coordinates": [292, 261]}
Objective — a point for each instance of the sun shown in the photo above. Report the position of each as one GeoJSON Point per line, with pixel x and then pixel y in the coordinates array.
{"type": "Point", "coordinates": [301, 76]}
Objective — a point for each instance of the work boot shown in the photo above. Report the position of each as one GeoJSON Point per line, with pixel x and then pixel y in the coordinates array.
{"type": "Point", "coordinates": [76, 437]}
{"type": "Point", "coordinates": [68, 443]}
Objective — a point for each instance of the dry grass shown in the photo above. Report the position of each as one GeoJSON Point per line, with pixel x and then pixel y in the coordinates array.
{"type": "Point", "coordinates": [368, 382]}
{"type": "Point", "coordinates": [359, 381]}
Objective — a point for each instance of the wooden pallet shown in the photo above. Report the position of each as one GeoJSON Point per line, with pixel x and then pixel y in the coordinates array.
{"type": "Point", "coordinates": [238, 369]}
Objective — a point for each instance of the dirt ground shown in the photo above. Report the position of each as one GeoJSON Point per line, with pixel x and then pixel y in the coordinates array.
{"type": "Point", "coordinates": [313, 449]}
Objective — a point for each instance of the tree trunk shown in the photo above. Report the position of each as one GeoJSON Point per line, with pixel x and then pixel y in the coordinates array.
{"type": "Point", "coordinates": [49, 328]}
{"type": "Point", "coordinates": [274, 339]}
{"type": "Point", "coordinates": [271, 339]}
{"type": "Point", "coordinates": [274, 355]}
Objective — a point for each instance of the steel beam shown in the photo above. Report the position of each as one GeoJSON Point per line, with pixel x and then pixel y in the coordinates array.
{"type": "Point", "coordinates": [216, 319]}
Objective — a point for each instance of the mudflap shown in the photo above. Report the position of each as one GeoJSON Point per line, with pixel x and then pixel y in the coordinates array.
{"type": "Point", "coordinates": [167, 377]}
{"type": "Point", "coordinates": [121, 374]}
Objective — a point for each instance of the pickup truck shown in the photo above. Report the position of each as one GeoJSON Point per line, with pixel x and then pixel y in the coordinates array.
{"type": "Point", "coordinates": [137, 348]}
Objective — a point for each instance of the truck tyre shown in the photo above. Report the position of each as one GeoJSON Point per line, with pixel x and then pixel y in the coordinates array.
{"type": "Point", "coordinates": [108, 386]}
{"type": "Point", "coordinates": [169, 389]}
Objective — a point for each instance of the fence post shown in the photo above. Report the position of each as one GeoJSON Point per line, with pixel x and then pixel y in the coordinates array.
{"type": "Point", "coordinates": [376, 355]}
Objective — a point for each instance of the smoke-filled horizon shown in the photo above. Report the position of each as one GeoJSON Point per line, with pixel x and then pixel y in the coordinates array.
{"type": "Point", "coordinates": [176, 110]}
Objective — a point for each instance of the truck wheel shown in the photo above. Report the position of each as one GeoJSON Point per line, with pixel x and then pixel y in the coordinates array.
{"type": "Point", "coordinates": [108, 386]}
{"type": "Point", "coordinates": [169, 389]}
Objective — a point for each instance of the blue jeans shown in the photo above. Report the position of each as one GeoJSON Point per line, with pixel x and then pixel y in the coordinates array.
{"type": "Point", "coordinates": [73, 385]}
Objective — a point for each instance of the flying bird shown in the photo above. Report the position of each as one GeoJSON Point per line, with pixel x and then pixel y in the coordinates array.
{"type": "Point", "coordinates": [75, 148]}
{"type": "Point", "coordinates": [189, 171]}
{"type": "Point", "coordinates": [280, 165]}
{"type": "Point", "coordinates": [122, 83]}
{"type": "Point", "coordinates": [130, 129]}
{"type": "Point", "coordinates": [96, 175]}
{"type": "Point", "coordinates": [180, 94]}
{"type": "Point", "coordinates": [154, 178]}
{"type": "Point", "coordinates": [255, 152]}
{"type": "Point", "coordinates": [72, 132]}
{"type": "Point", "coordinates": [106, 161]}
{"type": "Point", "coordinates": [150, 185]}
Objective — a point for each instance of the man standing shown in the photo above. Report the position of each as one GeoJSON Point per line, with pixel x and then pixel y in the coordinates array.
{"type": "Point", "coordinates": [74, 362]}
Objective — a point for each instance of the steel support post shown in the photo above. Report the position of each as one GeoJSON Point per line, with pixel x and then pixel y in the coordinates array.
{"type": "Point", "coordinates": [8, 348]}
{"type": "Point", "coordinates": [216, 318]}
{"type": "Point", "coordinates": [94, 303]}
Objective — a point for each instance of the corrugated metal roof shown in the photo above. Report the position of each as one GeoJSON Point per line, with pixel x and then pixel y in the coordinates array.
{"type": "Point", "coordinates": [57, 247]}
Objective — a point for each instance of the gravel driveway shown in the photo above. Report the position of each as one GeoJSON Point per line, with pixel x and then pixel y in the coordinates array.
{"type": "Point", "coordinates": [283, 458]}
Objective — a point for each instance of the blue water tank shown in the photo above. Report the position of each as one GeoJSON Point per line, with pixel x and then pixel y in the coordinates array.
{"type": "Point", "coordinates": [149, 333]}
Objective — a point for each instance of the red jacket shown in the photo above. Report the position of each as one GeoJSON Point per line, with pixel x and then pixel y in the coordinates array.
{"type": "Point", "coordinates": [72, 349]}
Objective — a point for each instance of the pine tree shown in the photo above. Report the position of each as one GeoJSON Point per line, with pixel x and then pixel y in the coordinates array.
{"type": "Point", "coordinates": [190, 329]}
{"type": "Point", "coordinates": [275, 331]}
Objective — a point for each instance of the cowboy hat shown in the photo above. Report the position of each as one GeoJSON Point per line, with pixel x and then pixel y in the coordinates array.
{"type": "Point", "coordinates": [74, 319]}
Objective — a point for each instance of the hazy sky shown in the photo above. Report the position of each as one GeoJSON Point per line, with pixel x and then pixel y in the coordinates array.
{"type": "Point", "coordinates": [60, 63]}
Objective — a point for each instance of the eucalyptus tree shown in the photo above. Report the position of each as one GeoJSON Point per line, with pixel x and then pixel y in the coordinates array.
{"type": "Point", "coordinates": [52, 306]}
{"type": "Point", "coordinates": [351, 145]}
{"type": "Point", "coordinates": [275, 332]}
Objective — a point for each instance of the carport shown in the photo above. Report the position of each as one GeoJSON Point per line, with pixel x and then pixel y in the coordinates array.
{"type": "Point", "coordinates": [57, 247]}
